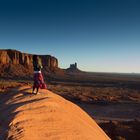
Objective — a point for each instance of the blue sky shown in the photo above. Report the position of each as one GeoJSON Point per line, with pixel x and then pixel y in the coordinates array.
{"type": "Point", "coordinates": [100, 35]}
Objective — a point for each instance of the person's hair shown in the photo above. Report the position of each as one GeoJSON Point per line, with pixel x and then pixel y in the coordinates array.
{"type": "Point", "coordinates": [35, 58]}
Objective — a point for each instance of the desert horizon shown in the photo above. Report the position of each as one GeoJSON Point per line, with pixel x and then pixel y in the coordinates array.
{"type": "Point", "coordinates": [69, 70]}
{"type": "Point", "coordinates": [111, 100]}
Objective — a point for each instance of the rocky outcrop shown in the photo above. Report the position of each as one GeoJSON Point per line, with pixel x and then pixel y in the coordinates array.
{"type": "Point", "coordinates": [16, 63]}
{"type": "Point", "coordinates": [4, 58]}
{"type": "Point", "coordinates": [49, 61]}
{"type": "Point", "coordinates": [73, 68]}
{"type": "Point", "coordinates": [44, 117]}
{"type": "Point", "coordinates": [15, 57]}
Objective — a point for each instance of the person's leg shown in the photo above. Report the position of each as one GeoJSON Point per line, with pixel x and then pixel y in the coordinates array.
{"type": "Point", "coordinates": [33, 89]}
{"type": "Point", "coordinates": [37, 89]}
{"type": "Point", "coordinates": [34, 85]}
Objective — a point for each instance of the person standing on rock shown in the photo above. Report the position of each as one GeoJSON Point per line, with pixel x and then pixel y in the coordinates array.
{"type": "Point", "coordinates": [38, 78]}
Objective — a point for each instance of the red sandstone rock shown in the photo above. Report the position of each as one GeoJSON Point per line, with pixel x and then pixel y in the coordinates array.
{"type": "Point", "coordinates": [16, 57]}
{"type": "Point", "coordinates": [12, 59]}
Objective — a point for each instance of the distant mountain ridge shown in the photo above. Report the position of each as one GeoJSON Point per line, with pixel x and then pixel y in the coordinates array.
{"type": "Point", "coordinates": [17, 57]}
{"type": "Point", "coordinates": [16, 63]}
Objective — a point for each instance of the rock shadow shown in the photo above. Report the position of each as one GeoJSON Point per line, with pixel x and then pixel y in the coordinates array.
{"type": "Point", "coordinates": [7, 113]}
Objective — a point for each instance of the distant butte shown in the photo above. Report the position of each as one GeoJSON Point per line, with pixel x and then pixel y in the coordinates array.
{"type": "Point", "coordinates": [15, 63]}
{"type": "Point", "coordinates": [16, 57]}
{"type": "Point", "coordinates": [73, 68]}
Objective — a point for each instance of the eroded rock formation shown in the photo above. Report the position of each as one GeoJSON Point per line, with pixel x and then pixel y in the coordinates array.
{"type": "Point", "coordinates": [16, 57]}
{"type": "Point", "coordinates": [73, 68]}
{"type": "Point", "coordinates": [13, 59]}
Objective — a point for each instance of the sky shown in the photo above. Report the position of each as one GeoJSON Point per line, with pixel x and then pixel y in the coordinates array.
{"type": "Point", "coordinates": [100, 35]}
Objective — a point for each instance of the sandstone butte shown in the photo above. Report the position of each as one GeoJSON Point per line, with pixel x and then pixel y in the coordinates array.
{"type": "Point", "coordinates": [16, 64]}
{"type": "Point", "coordinates": [15, 57]}
{"type": "Point", "coordinates": [46, 116]}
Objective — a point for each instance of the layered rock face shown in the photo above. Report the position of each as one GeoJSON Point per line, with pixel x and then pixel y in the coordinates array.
{"type": "Point", "coordinates": [16, 57]}
{"type": "Point", "coordinates": [49, 62]}
{"type": "Point", "coordinates": [12, 60]}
